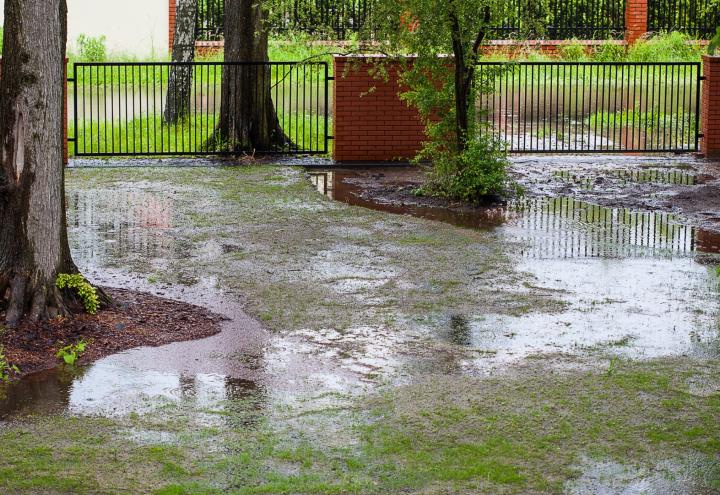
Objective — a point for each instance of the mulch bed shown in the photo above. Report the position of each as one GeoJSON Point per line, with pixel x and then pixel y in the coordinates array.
{"type": "Point", "coordinates": [136, 319]}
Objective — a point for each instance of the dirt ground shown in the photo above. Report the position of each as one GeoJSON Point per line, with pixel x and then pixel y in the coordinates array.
{"type": "Point", "coordinates": [685, 186]}
{"type": "Point", "coordinates": [135, 319]}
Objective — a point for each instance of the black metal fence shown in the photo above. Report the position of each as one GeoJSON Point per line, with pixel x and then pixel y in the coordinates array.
{"type": "Point", "coordinates": [570, 107]}
{"type": "Point", "coordinates": [326, 18]}
{"type": "Point", "coordinates": [120, 108]}
{"type": "Point", "coordinates": [562, 19]}
{"type": "Point", "coordinates": [210, 20]}
{"type": "Point", "coordinates": [698, 18]}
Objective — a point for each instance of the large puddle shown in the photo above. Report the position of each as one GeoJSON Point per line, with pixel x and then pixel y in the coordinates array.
{"type": "Point", "coordinates": [634, 283]}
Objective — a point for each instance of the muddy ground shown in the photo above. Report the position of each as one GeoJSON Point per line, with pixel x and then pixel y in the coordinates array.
{"type": "Point", "coordinates": [685, 186]}
{"type": "Point", "coordinates": [557, 346]}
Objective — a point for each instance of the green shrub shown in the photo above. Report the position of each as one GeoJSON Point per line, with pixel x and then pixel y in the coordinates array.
{"type": "Point", "coordinates": [7, 370]}
{"type": "Point", "coordinates": [85, 291]}
{"type": "Point", "coordinates": [91, 49]}
{"type": "Point", "coordinates": [573, 51]}
{"type": "Point", "coordinates": [473, 175]}
{"type": "Point", "coordinates": [666, 47]}
{"type": "Point", "coordinates": [610, 52]}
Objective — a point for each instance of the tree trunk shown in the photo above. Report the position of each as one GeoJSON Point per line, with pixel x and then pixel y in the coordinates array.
{"type": "Point", "coordinates": [248, 120]}
{"type": "Point", "coordinates": [179, 92]}
{"type": "Point", "coordinates": [465, 76]}
{"type": "Point", "coordinates": [33, 233]}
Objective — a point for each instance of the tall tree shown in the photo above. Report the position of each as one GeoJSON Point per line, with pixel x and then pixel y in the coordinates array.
{"type": "Point", "coordinates": [444, 82]}
{"type": "Point", "coordinates": [33, 233]}
{"type": "Point", "coordinates": [179, 91]}
{"type": "Point", "coordinates": [248, 119]}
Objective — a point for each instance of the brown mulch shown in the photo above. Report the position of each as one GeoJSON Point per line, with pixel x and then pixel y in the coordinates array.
{"type": "Point", "coordinates": [136, 319]}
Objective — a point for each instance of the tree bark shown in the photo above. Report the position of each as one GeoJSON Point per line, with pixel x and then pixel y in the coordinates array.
{"type": "Point", "coordinates": [179, 92]}
{"type": "Point", "coordinates": [248, 120]}
{"type": "Point", "coordinates": [33, 232]}
{"type": "Point", "coordinates": [464, 75]}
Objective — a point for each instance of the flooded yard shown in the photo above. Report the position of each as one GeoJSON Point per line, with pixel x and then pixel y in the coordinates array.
{"type": "Point", "coordinates": [565, 342]}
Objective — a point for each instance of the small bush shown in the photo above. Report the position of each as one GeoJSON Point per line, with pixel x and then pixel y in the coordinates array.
{"type": "Point", "coordinates": [478, 173]}
{"type": "Point", "coordinates": [610, 52]}
{"type": "Point", "coordinates": [666, 47]}
{"type": "Point", "coordinates": [91, 49]}
{"type": "Point", "coordinates": [7, 370]}
{"type": "Point", "coordinates": [85, 291]}
{"type": "Point", "coordinates": [572, 51]}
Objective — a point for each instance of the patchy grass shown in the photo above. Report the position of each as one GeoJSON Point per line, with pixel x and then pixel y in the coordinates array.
{"type": "Point", "coordinates": [519, 433]}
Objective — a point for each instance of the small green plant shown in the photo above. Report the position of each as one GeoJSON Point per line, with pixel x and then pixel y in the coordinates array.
{"type": "Point", "coordinates": [612, 366]}
{"type": "Point", "coordinates": [609, 52]}
{"type": "Point", "coordinates": [573, 51]}
{"type": "Point", "coordinates": [85, 291]}
{"type": "Point", "coordinates": [7, 370]}
{"type": "Point", "coordinates": [71, 353]}
{"type": "Point", "coordinates": [714, 43]}
{"type": "Point", "coordinates": [91, 49]}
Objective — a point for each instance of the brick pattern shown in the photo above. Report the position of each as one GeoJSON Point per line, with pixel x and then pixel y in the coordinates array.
{"type": "Point", "coordinates": [372, 125]}
{"type": "Point", "coordinates": [172, 11]}
{"type": "Point", "coordinates": [66, 153]}
{"type": "Point", "coordinates": [636, 25]}
{"type": "Point", "coordinates": [710, 107]}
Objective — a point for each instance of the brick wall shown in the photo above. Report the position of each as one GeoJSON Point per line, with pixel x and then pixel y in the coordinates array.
{"type": "Point", "coordinates": [172, 6]}
{"type": "Point", "coordinates": [636, 14]}
{"type": "Point", "coordinates": [710, 107]}
{"type": "Point", "coordinates": [375, 125]}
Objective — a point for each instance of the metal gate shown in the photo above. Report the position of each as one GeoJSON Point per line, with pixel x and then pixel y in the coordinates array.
{"type": "Point", "coordinates": [599, 107]}
{"type": "Point", "coordinates": [119, 109]}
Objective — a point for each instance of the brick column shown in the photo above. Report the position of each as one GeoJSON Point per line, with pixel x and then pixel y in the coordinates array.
{"type": "Point", "coordinates": [372, 125]}
{"type": "Point", "coordinates": [636, 20]}
{"type": "Point", "coordinates": [710, 108]}
{"type": "Point", "coordinates": [172, 5]}
{"type": "Point", "coordinates": [65, 116]}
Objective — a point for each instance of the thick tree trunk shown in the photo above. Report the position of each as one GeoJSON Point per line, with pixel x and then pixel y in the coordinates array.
{"type": "Point", "coordinates": [248, 120]}
{"type": "Point", "coordinates": [179, 91]}
{"type": "Point", "coordinates": [33, 234]}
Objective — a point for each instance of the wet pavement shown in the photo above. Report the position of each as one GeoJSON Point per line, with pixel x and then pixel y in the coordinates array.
{"type": "Point", "coordinates": [633, 282]}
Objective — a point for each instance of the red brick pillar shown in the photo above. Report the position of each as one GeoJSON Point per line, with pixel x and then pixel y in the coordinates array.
{"type": "Point", "coordinates": [171, 23]}
{"type": "Point", "coordinates": [636, 20]}
{"type": "Point", "coordinates": [65, 116]}
{"type": "Point", "coordinates": [370, 121]}
{"type": "Point", "coordinates": [710, 107]}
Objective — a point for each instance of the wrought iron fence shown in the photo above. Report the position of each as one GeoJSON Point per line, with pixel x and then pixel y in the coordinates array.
{"type": "Point", "coordinates": [120, 108]}
{"type": "Point", "coordinates": [327, 18]}
{"type": "Point", "coordinates": [562, 19]}
{"type": "Point", "coordinates": [210, 20]}
{"type": "Point", "coordinates": [698, 18]}
{"type": "Point", "coordinates": [561, 107]}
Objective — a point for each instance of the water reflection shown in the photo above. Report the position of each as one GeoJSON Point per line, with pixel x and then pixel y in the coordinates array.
{"type": "Point", "coordinates": [105, 223]}
{"type": "Point", "coordinates": [560, 227]}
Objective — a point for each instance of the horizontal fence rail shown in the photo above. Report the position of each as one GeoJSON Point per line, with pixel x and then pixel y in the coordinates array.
{"type": "Point", "coordinates": [123, 108]}
{"type": "Point", "coordinates": [698, 18]}
{"type": "Point", "coordinates": [570, 107]}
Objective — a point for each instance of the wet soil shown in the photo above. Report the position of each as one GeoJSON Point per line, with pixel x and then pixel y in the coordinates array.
{"type": "Point", "coordinates": [135, 319]}
{"type": "Point", "coordinates": [688, 187]}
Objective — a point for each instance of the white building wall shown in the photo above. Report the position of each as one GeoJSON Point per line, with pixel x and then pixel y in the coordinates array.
{"type": "Point", "coordinates": [133, 27]}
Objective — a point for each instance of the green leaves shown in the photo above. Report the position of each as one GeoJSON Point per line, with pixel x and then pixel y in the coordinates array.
{"type": "Point", "coordinates": [85, 291]}
{"type": "Point", "coordinates": [71, 353]}
{"type": "Point", "coordinates": [714, 42]}
{"type": "Point", "coordinates": [7, 370]}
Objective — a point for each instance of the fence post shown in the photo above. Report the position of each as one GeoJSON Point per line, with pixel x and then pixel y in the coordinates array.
{"type": "Point", "coordinates": [636, 20]}
{"type": "Point", "coordinates": [171, 23]}
{"type": "Point", "coordinates": [710, 107]}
